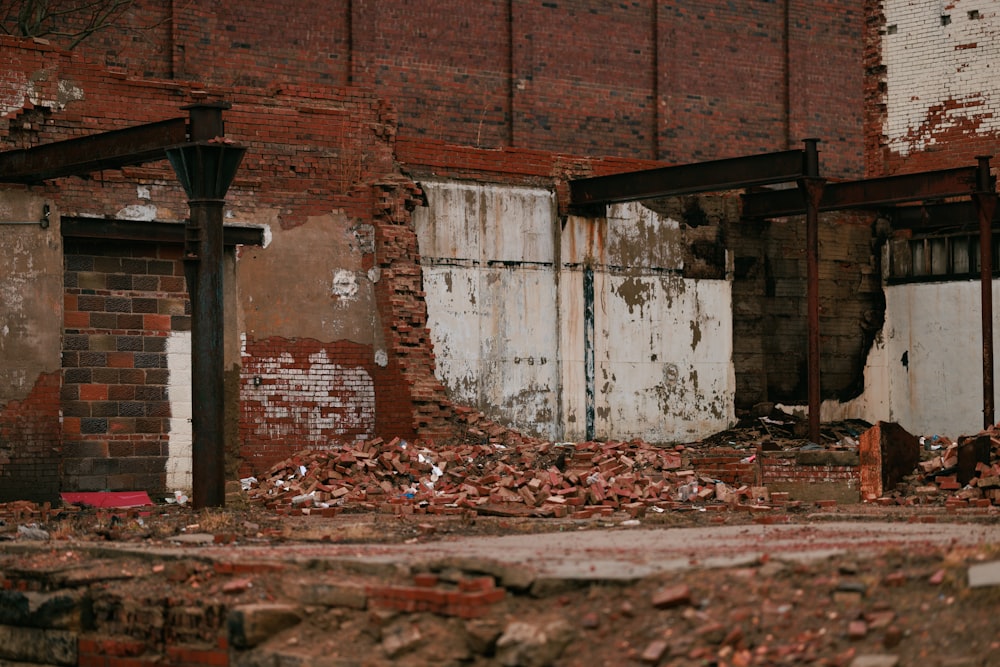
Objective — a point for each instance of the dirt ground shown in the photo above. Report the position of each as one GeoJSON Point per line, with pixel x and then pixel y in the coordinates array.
{"type": "Point", "coordinates": [905, 582]}
{"type": "Point", "coordinates": [906, 603]}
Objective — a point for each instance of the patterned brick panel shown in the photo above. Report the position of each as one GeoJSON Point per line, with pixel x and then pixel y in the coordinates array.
{"type": "Point", "coordinates": [122, 301]}
{"type": "Point", "coordinates": [302, 394]}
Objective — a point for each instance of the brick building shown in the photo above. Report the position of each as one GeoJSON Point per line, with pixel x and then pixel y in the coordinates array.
{"type": "Point", "coordinates": [357, 118]}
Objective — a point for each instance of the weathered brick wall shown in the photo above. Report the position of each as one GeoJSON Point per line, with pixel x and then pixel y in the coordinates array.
{"type": "Point", "coordinates": [310, 151]}
{"type": "Point", "coordinates": [675, 81]}
{"type": "Point", "coordinates": [122, 301]}
{"type": "Point", "coordinates": [30, 443]}
{"type": "Point", "coordinates": [932, 100]}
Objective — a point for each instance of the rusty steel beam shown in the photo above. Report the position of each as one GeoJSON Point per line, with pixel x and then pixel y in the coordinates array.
{"type": "Point", "coordinates": [156, 232]}
{"type": "Point", "coordinates": [867, 193]}
{"type": "Point", "coordinates": [107, 150]}
{"type": "Point", "coordinates": [711, 176]}
{"type": "Point", "coordinates": [985, 200]}
{"type": "Point", "coordinates": [931, 218]}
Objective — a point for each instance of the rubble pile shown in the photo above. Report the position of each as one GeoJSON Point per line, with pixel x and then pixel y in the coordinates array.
{"type": "Point", "coordinates": [959, 473]}
{"type": "Point", "coordinates": [549, 479]}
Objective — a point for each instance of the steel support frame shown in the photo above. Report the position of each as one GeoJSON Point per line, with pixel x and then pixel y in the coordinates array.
{"type": "Point", "coordinates": [203, 259]}
{"type": "Point", "coordinates": [815, 195]}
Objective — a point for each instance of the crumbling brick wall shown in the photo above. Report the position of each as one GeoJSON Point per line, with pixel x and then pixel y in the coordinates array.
{"type": "Point", "coordinates": [770, 307]}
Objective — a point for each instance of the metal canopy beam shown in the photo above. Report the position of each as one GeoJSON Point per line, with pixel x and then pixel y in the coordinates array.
{"type": "Point", "coordinates": [930, 218]}
{"type": "Point", "coordinates": [156, 232]}
{"type": "Point", "coordinates": [712, 176]}
{"type": "Point", "coordinates": [107, 150]}
{"type": "Point", "coordinates": [868, 193]}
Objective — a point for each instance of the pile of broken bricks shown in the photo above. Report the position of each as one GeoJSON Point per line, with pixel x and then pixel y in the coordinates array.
{"type": "Point", "coordinates": [545, 480]}
{"type": "Point", "coordinates": [964, 473]}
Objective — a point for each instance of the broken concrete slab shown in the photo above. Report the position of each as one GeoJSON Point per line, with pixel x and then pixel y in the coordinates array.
{"type": "Point", "coordinates": [984, 574]}
{"type": "Point", "coordinates": [251, 624]}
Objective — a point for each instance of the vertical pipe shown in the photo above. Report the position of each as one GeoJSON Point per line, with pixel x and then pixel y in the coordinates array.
{"type": "Point", "coordinates": [986, 199]}
{"type": "Point", "coordinates": [588, 346]}
{"type": "Point", "coordinates": [510, 73]}
{"type": "Point", "coordinates": [812, 185]}
{"type": "Point", "coordinates": [207, 363]}
{"type": "Point", "coordinates": [656, 80]}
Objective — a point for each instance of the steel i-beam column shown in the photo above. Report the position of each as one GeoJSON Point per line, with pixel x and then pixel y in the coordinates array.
{"type": "Point", "coordinates": [206, 167]}
{"type": "Point", "coordinates": [812, 186]}
{"type": "Point", "coordinates": [985, 198]}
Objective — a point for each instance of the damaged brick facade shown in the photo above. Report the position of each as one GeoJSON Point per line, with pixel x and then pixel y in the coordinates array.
{"type": "Point", "coordinates": [931, 100]}
{"type": "Point", "coordinates": [340, 121]}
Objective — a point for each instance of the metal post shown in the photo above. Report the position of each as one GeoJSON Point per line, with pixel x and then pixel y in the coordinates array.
{"type": "Point", "coordinates": [812, 185]}
{"type": "Point", "coordinates": [985, 199]}
{"type": "Point", "coordinates": [206, 166]}
{"type": "Point", "coordinates": [589, 365]}
{"type": "Point", "coordinates": [207, 362]}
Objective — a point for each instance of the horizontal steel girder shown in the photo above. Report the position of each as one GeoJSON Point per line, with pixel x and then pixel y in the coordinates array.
{"type": "Point", "coordinates": [160, 232]}
{"type": "Point", "coordinates": [868, 193]}
{"type": "Point", "coordinates": [712, 176]}
{"type": "Point", "coordinates": [107, 150]}
{"type": "Point", "coordinates": [955, 216]}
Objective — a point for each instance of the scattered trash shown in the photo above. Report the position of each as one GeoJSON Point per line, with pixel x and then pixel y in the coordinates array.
{"type": "Point", "coordinates": [32, 532]}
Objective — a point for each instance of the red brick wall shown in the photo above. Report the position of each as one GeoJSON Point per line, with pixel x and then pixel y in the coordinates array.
{"type": "Point", "coordinates": [122, 301]}
{"type": "Point", "coordinates": [30, 443]}
{"type": "Point", "coordinates": [310, 150]}
{"type": "Point", "coordinates": [680, 82]}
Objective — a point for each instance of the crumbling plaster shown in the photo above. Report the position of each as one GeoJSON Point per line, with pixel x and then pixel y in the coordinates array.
{"type": "Point", "coordinates": [31, 293]}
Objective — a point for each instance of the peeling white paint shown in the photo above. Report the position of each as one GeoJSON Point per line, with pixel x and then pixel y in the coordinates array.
{"type": "Point", "coordinates": [67, 92]}
{"type": "Point", "coordinates": [345, 284]}
{"type": "Point", "coordinates": [941, 70]}
{"type": "Point", "coordinates": [939, 389]}
{"type": "Point", "coordinates": [381, 358]}
{"type": "Point", "coordinates": [138, 212]}
{"type": "Point", "coordinates": [142, 192]}
{"type": "Point", "coordinates": [506, 316]}
{"type": "Point", "coordinates": [181, 436]}
{"type": "Point", "coordinates": [312, 404]}
{"type": "Point", "coordinates": [15, 88]}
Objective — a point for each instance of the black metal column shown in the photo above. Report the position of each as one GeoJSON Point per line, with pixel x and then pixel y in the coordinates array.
{"type": "Point", "coordinates": [985, 198]}
{"type": "Point", "coordinates": [203, 268]}
{"type": "Point", "coordinates": [205, 167]}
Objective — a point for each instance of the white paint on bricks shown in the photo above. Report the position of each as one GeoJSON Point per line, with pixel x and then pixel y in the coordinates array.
{"type": "Point", "coordinates": [941, 70]}
{"type": "Point", "coordinates": [181, 436]}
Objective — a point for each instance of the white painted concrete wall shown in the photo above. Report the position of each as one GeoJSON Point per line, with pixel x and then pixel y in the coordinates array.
{"type": "Point", "coordinates": [941, 74]}
{"type": "Point", "coordinates": [940, 389]}
{"type": "Point", "coordinates": [181, 437]}
{"type": "Point", "coordinates": [504, 285]}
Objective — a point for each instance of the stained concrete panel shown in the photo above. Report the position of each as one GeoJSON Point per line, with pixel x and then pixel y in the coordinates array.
{"type": "Point", "coordinates": [31, 294]}
{"type": "Point", "coordinates": [504, 283]}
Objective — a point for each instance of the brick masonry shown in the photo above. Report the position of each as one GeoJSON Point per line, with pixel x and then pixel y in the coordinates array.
{"type": "Point", "coordinates": [674, 81]}
{"type": "Point", "coordinates": [121, 304]}
{"type": "Point", "coordinates": [931, 98]}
